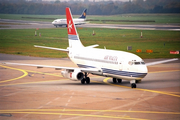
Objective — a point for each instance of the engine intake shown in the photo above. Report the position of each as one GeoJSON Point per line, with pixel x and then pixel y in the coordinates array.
{"type": "Point", "coordinates": [73, 75]}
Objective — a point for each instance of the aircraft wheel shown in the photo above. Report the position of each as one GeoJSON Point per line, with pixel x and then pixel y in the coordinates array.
{"type": "Point", "coordinates": [87, 80]}
{"type": "Point", "coordinates": [119, 80]}
{"type": "Point", "coordinates": [83, 81]}
{"type": "Point", "coordinates": [133, 85]}
{"type": "Point", "coordinates": [114, 80]}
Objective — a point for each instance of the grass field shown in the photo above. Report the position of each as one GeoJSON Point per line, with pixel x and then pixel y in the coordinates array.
{"type": "Point", "coordinates": [21, 41]}
{"type": "Point", "coordinates": [124, 18]}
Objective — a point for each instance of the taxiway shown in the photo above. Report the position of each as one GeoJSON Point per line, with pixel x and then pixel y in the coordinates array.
{"type": "Point", "coordinates": [20, 24]}
{"type": "Point", "coordinates": [31, 93]}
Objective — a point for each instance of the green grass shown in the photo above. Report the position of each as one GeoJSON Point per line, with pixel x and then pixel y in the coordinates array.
{"type": "Point", "coordinates": [21, 41]}
{"type": "Point", "coordinates": [24, 17]}
{"type": "Point", "coordinates": [158, 18]}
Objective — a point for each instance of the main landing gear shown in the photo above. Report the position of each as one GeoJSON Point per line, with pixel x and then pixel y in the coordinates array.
{"type": "Point", "coordinates": [115, 80]}
{"type": "Point", "coordinates": [85, 79]}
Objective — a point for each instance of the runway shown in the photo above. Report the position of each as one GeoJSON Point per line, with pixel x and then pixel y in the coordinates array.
{"type": "Point", "coordinates": [31, 93]}
{"type": "Point", "coordinates": [20, 24]}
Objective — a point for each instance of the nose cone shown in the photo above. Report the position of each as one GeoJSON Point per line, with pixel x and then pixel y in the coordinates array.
{"type": "Point", "coordinates": [54, 22]}
{"type": "Point", "coordinates": [143, 70]}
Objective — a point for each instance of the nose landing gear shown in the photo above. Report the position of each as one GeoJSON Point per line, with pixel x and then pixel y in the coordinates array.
{"type": "Point", "coordinates": [133, 83]}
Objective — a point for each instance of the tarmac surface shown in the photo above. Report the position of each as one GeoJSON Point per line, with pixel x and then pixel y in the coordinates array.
{"type": "Point", "coordinates": [28, 93]}
{"type": "Point", "coordinates": [20, 24]}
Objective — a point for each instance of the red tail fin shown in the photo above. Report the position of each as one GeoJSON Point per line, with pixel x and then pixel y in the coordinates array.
{"type": "Point", "coordinates": [74, 41]}
{"type": "Point", "coordinates": [70, 23]}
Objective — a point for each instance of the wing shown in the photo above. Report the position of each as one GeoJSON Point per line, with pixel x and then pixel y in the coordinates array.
{"type": "Point", "coordinates": [89, 70]}
{"type": "Point", "coordinates": [64, 50]}
{"type": "Point", "coordinates": [159, 62]}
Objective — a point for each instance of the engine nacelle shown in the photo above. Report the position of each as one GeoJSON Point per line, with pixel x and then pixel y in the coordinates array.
{"type": "Point", "coordinates": [73, 74]}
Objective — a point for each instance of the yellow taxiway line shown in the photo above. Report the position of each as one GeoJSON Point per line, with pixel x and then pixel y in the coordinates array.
{"type": "Point", "coordinates": [59, 112]}
{"type": "Point", "coordinates": [31, 82]}
{"type": "Point", "coordinates": [43, 73]}
{"type": "Point", "coordinates": [160, 92]}
{"type": "Point", "coordinates": [25, 74]}
{"type": "Point", "coordinates": [86, 110]}
{"type": "Point", "coordinates": [81, 115]}
{"type": "Point", "coordinates": [71, 114]}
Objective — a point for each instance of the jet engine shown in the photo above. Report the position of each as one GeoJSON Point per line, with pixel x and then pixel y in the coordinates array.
{"type": "Point", "coordinates": [73, 74]}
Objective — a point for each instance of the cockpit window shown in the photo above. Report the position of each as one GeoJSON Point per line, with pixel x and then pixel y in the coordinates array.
{"type": "Point", "coordinates": [137, 63]}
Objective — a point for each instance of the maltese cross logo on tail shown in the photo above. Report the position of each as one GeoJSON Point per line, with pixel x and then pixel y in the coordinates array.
{"type": "Point", "coordinates": [69, 26]}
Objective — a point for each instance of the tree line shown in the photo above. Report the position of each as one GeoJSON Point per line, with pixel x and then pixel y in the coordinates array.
{"type": "Point", "coordinates": [94, 8]}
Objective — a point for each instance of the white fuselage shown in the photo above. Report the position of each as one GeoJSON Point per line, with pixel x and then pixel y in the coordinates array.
{"type": "Point", "coordinates": [61, 22]}
{"type": "Point", "coordinates": [118, 64]}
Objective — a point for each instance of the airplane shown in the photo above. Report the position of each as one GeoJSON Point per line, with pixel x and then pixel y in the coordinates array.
{"type": "Point", "coordinates": [77, 21]}
{"type": "Point", "coordinates": [103, 62]}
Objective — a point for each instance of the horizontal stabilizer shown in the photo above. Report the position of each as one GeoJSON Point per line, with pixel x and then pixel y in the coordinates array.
{"type": "Point", "coordinates": [93, 46]}
{"type": "Point", "coordinates": [64, 50]}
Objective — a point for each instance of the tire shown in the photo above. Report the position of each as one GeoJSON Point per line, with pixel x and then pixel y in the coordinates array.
{"type": "Point", "coordinates": [87, 80]}
{"type": "Point", "coordinates": [133, 85]}
{"type": "Point", "coordinates": [114, 80]}
{"type": "Point", "coordinates": [83, 81]}
{"type": "Point", "coordinates": [119, 80]}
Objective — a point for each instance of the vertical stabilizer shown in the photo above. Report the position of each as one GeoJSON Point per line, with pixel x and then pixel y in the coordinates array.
{"type": "Point", "coordinates": [83, 15]}
{"type": "Point", "coordinates": [73, 36]}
